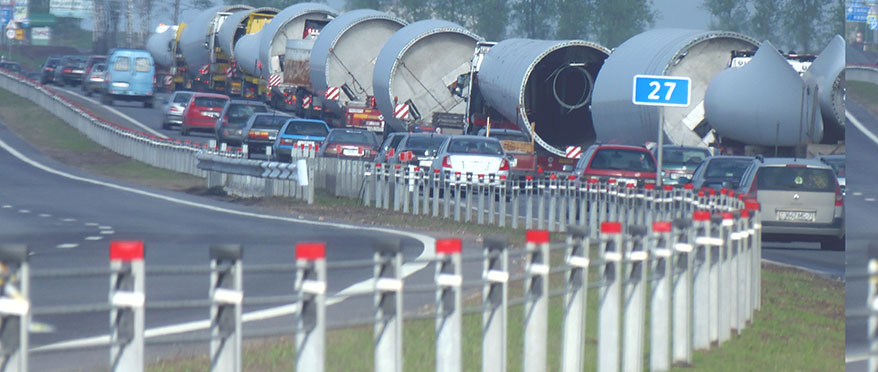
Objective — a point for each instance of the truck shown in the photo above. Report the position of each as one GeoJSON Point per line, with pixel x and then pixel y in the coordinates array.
{"type": "Point", "coordinates": [235, 27]}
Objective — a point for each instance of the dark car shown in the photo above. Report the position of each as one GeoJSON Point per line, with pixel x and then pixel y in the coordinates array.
{"type": "Point", "coordinates": [11, 66]}
{"type": "Point", "coordinates": [260, 131]}
{"type": "Point", "coordinates": [229, 126]}
{"type": "Point", "coordinates": [718, 172]}
{"type": "Point", "coordinates": [627, 164]}
{"type": "Point", "coordinates": [93, 81]}
{"type": "Point", "coordinates": [387, 150]}
{"type": "Point", "coordinates": [418, 149]}
{"type": "Point", "coordinates": [349, 143]}
{"type": "Point", "coordinates": [70, 70]}
{"type": "Point", "coordinates": [89, 66]}
{"type": "Point", "coordinates": [679, 162]}
{"type": "Point", "coordinates": [48, 69]}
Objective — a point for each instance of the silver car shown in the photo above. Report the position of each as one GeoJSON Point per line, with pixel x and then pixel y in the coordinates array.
{"type": "Point", "coordinates": [800, 199]}
{"type": "Point", "coordinates": [172, 112]}
{"type": "Point", "coordinates": [471, 155]}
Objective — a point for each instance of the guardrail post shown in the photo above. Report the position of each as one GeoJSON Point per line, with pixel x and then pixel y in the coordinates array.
{"type": "Point", "coordinates": [386, 185]}
{"type": "Point", "coordinates": [226, 294]}
{"type": "Point", "coordinates": [457, 185]}
{"type": "Point", "coordinates": [448, 185]}
{"type": "Point", "coordinates": [406, 185]}
{"type": "Point", "coordinates": [553, 201]}
{"type": "Point", "coordinates": [470, 195]}
{"type": "Point", "coordinates": [541, 204]}
{"type": "Point", "coordinates": [593, 195]}
{"type": "Point", "coordinates": [126, 300]}
{"type": "Point", "coordinates": [536, 301]}
{"type": "Point", "coordinates": [448, 302]}
{"type": "Point", "coordinates": [660, 301]}
{"type": "Point", "coordinates": [715, 245]}
{"type": "Point", "coordinates": [745, 275]}
{"type": "Point", "coordinates": [494, 300]}
{"type": "Point", "coordinates": [380, 185]}
{"type": "Point", "coordinates": [14, 308]}
{"type": "Point", "coordinates": [871, 297]}
{"type": "Point", "coordinates": [612, 201]}
{"type": "Point", "coordinates": [726, 293]}
{"type": "Point", "coordinates": [574, 193]}
{"type": "Point", "coordinates": [576, 285]}
{"type": "Point", "coordinates": [756, 245]}
{"type": "Point", "coordinates": [398, 186]}
{"type": "Point", "coordinates": [388, 307]}
{"type": "Point", "coordinates": [701, 282]}
{"type": "Point", "coordinates": [688, 200]}
{"type": "Point", "coordinates": [683, 261]}
{"type": "Point", "coordinates": [311, 301]}
{"type": "Point", "coordinates": [494, 196]}
{"type": "Point", "coordinates": [516, 201]}
{"type": "Point", "coordinates": [529, 202]}
{"type": "Point", "coordinates": [610, 298]}
{"type": "Point", "coordinates": [436, 182]}
{"type": "Point", "coordinates": [635, 273]}
{"type": "Point", "coordinates": [369, 181]}
{"type": "Point", "coordinates": [480, 209]}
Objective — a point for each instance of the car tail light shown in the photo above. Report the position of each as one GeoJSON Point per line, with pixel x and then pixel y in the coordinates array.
{"type": "Point", "coordinates": [446, 161]}
{"type": "Point", "coordinates": [48, 69]}
{"type": "Point", "coordinates": [67, 70]}
{"type": "Point", "coordinates": [175, 109]}
{"type": "Point", "coordinates": [287, 141]}
{"type": "Point", "coordinates": [839, 197]}
{"type": "Point", "coordinates": [333, 149]}
{"type": "Point", "coordinates": [257, 134]}
{"type": "Point", "coordinates": [504, 165]}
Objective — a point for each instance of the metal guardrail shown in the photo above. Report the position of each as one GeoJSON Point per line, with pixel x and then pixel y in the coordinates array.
{"type": "Point", "coordinates": [703, 274]}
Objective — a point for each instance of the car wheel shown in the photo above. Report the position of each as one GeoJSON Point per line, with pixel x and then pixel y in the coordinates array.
{"type": "Point", "coordinates": [184, 131]}
{"type": "Point", "coordinates": [148, 103]}
{"type": "Point", "coordinates": [832, 244]}
{"type": "Point", "coordinates": [106, 99]}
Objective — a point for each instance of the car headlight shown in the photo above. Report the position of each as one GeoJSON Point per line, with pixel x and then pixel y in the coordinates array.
{"type": "Point", "coordinates": [120, 84]}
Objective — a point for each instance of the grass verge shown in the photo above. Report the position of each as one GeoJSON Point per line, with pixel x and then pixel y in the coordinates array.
{"type": "Point", "coordinates": [800, 326]}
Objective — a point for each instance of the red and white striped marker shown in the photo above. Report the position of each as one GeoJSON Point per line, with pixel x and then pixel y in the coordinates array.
{"type": "Point", "coordinates": [229, 72]}
{"type": "Point", "coordinates": [332, 93]}
{"type": "Point", "coordinates": [574, 152]}
{"type": "Point", "coordinates": [204, 69]}
{"type": "Point", "coordinates": [274, 80]}
{"type": "Point", "coordinates": [401, 111]}
{"type": "Point", "coordinates": [168, 79]}
{"type": "Point", "coordinates": [306, 101]}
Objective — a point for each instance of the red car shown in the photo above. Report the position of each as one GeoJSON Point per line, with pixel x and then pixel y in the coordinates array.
{"type": "Point", "coordinates": [202, 111]}
{"type": "Point", "coordinates": [624, 163]}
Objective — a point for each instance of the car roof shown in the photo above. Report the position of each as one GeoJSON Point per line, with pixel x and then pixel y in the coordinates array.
{"type": "Point", "coordinates": [307, 120]}
{"type": "Point", "coordinates": [620, 147]}
{"type": "Point", "coordinates": [459, 136]}
{"type": "Point", "coordinates": [349, 130]}
{"type": "Point", "coordinates": [246, 102]}
{"type": "Point", "coordinates": [779, 162]}
{"type": "Point", "coordinates": [212, 95]}
{"type": "Point", "coordinates": [731, 157]}
{"type": "Point", "coordinates": [431, 134]}
{"type": "Point", "coordinates": [280, 115]}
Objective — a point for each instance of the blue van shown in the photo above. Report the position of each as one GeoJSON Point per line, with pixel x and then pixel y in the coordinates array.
{"type": "Point", "coordinates": [130, 77]}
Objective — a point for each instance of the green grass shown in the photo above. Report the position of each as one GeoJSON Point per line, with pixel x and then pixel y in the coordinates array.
{"type": "Point", "coordinates": [865, 94]}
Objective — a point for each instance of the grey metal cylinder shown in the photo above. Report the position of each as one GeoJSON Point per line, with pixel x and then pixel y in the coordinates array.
{"type": "Point", "coordinates": [418, 64]}
{"type": "Point", "coordinates": [247, 52]}
{"type": "Point", "coordinates": [545, 85]}
{"type": "Point", "coordinates": [232, 28]}
{"type": "Point", "coordinates": [195, 35]}
{"type": "Point", "coordinates": [827, 72]}
{"type": "Point", "coordinates": [697, 54]}
{"type": "Point", "coordinates": [289, 24]}
{"type": "Point", "coordinates": [764, 102]}
{"type": "Point", "coordinates": [159, 45]}
{"type": "Point", "coordinates": [345, 52]}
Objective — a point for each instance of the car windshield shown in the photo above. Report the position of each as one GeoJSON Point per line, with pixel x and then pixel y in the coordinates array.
{"type": "Point", "coordinates": [353, 136]}
{"type": "Point", "coordinates": [306, 128]}
{"type": "Point", "coordinates": [182, 98]}
{"type": "Point", "coordinates": [77, 63]}
{"type": "Point", "coordinates": [210, 101]}
{"type": "Point", "coordinates": [726, 169]}
{"type": "Point", "coordinates": [269, 121]}
{"type": "Point", "coordinates": [474, 146]}
{"type": "Point", "coordinates": [420, 144]}
{"type": "Point", "coordinates": [238, 113]}
{"type": "Point", "coordinates": [795, 179]}
{"type": "Point", "coordinates": [624, 160]}
{"type": "Point", "coordinates": [52, 63]}
{"type": "Point", "coordinates": [683, 158]}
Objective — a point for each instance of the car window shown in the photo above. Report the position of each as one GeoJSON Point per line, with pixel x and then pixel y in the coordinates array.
{"type": "Point", "coordinates": [141, 64]}
{"type": "Point", "coordinates": [352, 136]}
{"type": "Point", "coordinates": [240, 113]}
{"type": "Point", "coordinates": [727, 168]}
{"type": "Point", "coordinates": [391, 143]}
{"type": "Point", "coordinates": [122, 63]}
{"type": "Point", "coordinates": [269, 121]}
{"type": "Point", "coordinates": [474, 146]}
{"type": "Point", "coordinates": [622, 159]}
{"type": "Point", "coordinates": [509, 136]}
{"type": "Point", "coordinates": [99, 68]}
{"type": "Point", "coordinates": [678, 157]}
{"type": "Point", "coordinates": [182, 97]}
{"type": "Point", "coordinates": [419, 143]}
{"type": "Point", "coordinates": [210, 101]}
{"type": "Point", "coordinates": [306, 128]}
{"type": "Point", "coordinates": [795, 179]}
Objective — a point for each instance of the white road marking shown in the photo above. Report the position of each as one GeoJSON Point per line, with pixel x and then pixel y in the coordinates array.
{"type": "Point", "coordinates": [6, 206]}
{"type": "Point", "coordinates": [427, 254]}
{"type": "Point", "coordinates": [91, 224]}
{"type": "Point", "coordinates": [23, 211]}
{"type": "Point", "coordinates": [107, 232]}
{"type": "Point", "coordinates": [67, 245]}
{"type": "Point", "coordinates": [105, 227]}
{"type": "Point", "coordinates": [855, 358]}
{"type": "Point", "coordinates": [858, 193]}
{"type": "Point", "coordinates": [94, 237]}
{"type": "Point", "coordinates": [69, 220]}
{"type": "Point", "coordinates": [870, 199]}
{"type": "Point", "coordinates": [40, 327]}
{"type": "Point", "coordinates": [861, 127]}
{"type": "Point", "coordinates": [120, 113]}
{"type": "Point", "coordinates": [44, 215]}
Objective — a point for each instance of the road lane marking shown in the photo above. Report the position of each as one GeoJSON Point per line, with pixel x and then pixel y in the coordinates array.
{"type": "Point", "coordinates": [105, 227]}
{"type": "Point", "coordinates": [91, 224]}
{"type": "Point", "coordinates": [858, 194]}
{"type": "Point", "coordinates": [6, 206]}
{"type": "Point", "coordinates": [861, 127]}
{"type": "Point", "coordinates": [870, 199]}
{"type": "Point", "coordinates": [67, 245]}
{"type": "Point", "coordinates": [24, 211]}
{"type": "Point", "coordinates": [69, 220]}
{"type": "Point", "coordinates": [107, 232]}
{"type": "Point", "coordinates": [44, 215]}
{"type": "Point", "coordinates": [427, 253]}
{"type": "Point", "coordinates": [120, 113]}
{"type": "Point", "coordinates": [93, 238]}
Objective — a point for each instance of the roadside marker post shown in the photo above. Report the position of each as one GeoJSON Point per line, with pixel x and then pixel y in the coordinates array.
{"type": "Point", "coordinates": [575, 287]}
{"type": "Point", "coordinates": [701, 281]}
{"type": "Point", "coordinates": [536, 301]}
{"type": "Point", "coordinates": [15, 308]}
{"type": "Point", "coordinates": [126, 306]}
{"type": "Point", "coordinates": [495, 294]}
{"type": "Point", "coordinates": [388, 306]}
{"type": "Point", "coordinates": [227, 295]}
{"type": "Point", "coordinates": [311, 300]}
{"type": "Point", "coordinates": [448, 306]}
{"type": "Point", "coordinates": [635, 272]}
{"type": "Point", "coordinates": [610, 295]}
{"type": "Point", "coordinates": [661, 248]}
{"type": "Point", "coordinates": [684, 258]}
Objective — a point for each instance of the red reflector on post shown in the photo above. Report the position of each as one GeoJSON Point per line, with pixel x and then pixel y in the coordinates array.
{"type": "Point", "coordinates": [661, 226]}
{"type": "Point", "coordinates": [592, 180]}
{"type": "Point", "coordinates": [310, 251]}
{"type": "Point", "coordinates": [701, 194]}
{"type": "Point", "coordinates": [668, 187]}
{"type": "Point", "coordinates": [553, 176]}
{"type": "Point", "coordinates": [728, 216]}
{"type": "Point", "coordinates": [649, 186]}
{"type": "Point", "coordinates": [571, 177]}
{"type": "Point", "coordinates": [448, 246]}
{"type": "Point", "coordinates": [751, 205]}
{"type": "Point", "coordinates": [537, 236]}
{"type": "Point", "coordinates": [688, 186]}
{"type": "Point", "coordinates": [126, 250]}
{"type": "Point", "coordinates": [611, 228]}
{"type": "Point", "coordinates": [701, 216]}
{"type": "Point", "coordinates": [745, 213]}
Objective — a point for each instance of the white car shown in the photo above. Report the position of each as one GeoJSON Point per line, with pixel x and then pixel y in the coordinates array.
{"type": "Point", "coordinates": [471, 155]}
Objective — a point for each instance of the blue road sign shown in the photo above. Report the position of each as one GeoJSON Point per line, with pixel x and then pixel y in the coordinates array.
{"type": "Point", "coordinates": [5, 15]}
{"type": "Point", "coordinates": [661, 90]}
{"type": "Point", "coordinates": [856, 13]}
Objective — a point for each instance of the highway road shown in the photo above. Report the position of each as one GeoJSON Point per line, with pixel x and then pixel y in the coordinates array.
{"type": "Point", "coordinates": [860, 210]}
{"type": "Point", "coordinates": [67, 218]}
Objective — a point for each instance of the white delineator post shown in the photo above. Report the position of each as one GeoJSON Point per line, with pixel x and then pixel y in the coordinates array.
{"type": "Point", "coordinates": [536, 301]}
{"type": "Point", "coordinates": [126, 300]}
{"type": "Point", "coordinates": [311, 317]}
{"type": "Point", "coordinates": [448, 301]}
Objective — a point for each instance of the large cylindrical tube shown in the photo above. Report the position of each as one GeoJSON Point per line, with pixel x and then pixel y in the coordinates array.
{"type": "Point", "coordinates": [827, 72]}
{"type": "Point", "coordinates": [545, 87]}
{"type": "Point", "coordinates": [764, 102]}
{"type": "Point", "coordinates": [698, 55]}
{"type": "Point", "coordinates": [289, 24]}
{"type": "Point", "coordinates": [232, 28]}
{"type": "Point", "coordinates": [159, 45]}
{"type": "Point", "coordinates": [194, 40]}
{"type": "Point", "coordinates": [344, 54]}
{"type": "Point", "coordinates": [247, 54]}
{"type": "Point", "coordinates": [416, 67]}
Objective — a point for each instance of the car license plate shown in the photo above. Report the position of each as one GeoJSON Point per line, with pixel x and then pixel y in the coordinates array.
{"type": "Point", "coordinates": [77, 71]}
{"type": "Point", "coordinates": [211, 114]}
{"type": "Point", "coordinates": [425, 163]}
{"type": "Point", "coordinates": [351, 152]}
{"type": "Point", "coordinates": [795, 216]}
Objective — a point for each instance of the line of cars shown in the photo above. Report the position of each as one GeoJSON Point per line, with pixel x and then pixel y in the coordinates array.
{"type": "Point", "coordinates": [122, 75]}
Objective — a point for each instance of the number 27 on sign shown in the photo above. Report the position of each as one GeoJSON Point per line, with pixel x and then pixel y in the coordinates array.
{"type": "Point", "coordinates": [661, 90]}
